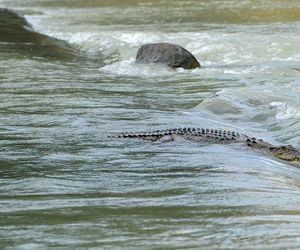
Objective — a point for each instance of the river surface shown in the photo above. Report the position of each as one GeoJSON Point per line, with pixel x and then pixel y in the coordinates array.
{"type": "Point", "coordinates": [64, 184]}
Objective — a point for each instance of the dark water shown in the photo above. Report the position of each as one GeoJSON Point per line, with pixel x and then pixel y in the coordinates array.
{"type": "Point", "coordinates": [64, 184]}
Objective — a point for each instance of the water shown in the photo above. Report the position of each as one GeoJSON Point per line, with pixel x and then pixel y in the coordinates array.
{"type": "Point", "coordinates": [64, 184]}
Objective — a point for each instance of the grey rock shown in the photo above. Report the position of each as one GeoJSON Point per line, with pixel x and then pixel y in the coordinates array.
{"type": "Point", "coordinates": [169, 54]}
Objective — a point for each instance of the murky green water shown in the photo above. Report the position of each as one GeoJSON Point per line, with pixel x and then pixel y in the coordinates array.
{"type": "Point", "coordinates": [64, 184]}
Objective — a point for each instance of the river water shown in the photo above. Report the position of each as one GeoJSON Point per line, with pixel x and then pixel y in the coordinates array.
{"type": "Point", "coordinates": [64, 184]}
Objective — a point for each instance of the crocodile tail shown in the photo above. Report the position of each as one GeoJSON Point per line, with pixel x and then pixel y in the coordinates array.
{"type": "Point", "coordinates": [150, 136]}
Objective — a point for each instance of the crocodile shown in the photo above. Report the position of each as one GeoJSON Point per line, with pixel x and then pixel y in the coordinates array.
{"type": "Point", "coordinates": [285, 153]}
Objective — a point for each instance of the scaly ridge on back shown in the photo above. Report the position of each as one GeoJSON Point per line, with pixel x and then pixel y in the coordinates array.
{"type": "Point", "coordinates": [192, 134]}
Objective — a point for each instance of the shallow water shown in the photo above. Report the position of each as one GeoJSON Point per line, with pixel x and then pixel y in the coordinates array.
{"type": "Point", "coordinates": [64, 184]}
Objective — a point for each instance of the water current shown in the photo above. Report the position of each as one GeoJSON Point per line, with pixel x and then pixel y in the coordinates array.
{"type": "Point", "coordinates": [64, 184]}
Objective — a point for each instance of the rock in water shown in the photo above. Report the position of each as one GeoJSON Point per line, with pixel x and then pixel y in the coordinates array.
{"type": "Point", "coordinates": [165, 53]}
{"type": "Point", "coordinates": [16, 34]}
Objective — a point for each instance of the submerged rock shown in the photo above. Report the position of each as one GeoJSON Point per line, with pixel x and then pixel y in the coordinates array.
{"type": "Point", "coordinates": [172, 55]}
{"type": "Point", "coordinates": [16, 34]}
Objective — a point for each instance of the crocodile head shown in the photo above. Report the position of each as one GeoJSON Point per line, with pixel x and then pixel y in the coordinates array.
{"type": "Point", "coordinates": [286, 153]}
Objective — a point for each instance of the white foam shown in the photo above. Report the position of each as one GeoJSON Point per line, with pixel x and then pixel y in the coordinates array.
{"type": "Point", "coordinates": [130, 68]}
{"type": "Point", "coordinates": [286, 111]}
{"type": "Point", "coordinates": [137, 38]}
